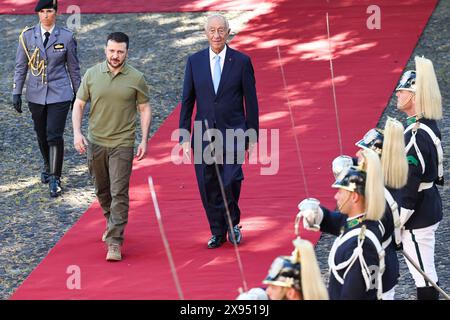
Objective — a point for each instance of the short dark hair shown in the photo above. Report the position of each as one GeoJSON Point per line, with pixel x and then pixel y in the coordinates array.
{"type": "Point", "coordinates": [118, 37]}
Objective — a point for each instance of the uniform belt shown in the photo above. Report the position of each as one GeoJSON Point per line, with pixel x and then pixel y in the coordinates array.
{"type": "Point", "coordinates": [386, 243]}
{"type": "Point", "coordinates": [425, 185]}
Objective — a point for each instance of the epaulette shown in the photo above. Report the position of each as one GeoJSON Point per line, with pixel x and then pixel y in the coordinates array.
{"type": "Point", "coordinates": [67, 29]}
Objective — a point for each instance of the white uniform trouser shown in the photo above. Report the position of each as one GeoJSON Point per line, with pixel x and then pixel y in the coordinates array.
{"type": "Point", "coordinates": [389, 295]}
{"type": "Point", "coordinates": [419, 245]}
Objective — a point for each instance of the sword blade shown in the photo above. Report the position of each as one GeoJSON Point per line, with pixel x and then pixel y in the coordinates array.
{"type": "Point", "coordinates": [164, 238]}
{"type": "Point", "coordinates": [297, 144]}
{"type": "Point", "coordinates": [446, 296]}
{"type": "Point", "coordinates": [227, 210]}
{"type": "Point", "coordinates": [334, 87]}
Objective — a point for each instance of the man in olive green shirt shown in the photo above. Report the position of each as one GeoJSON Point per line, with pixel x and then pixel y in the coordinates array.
{"type": "Point", "coordinates": [116, 91]}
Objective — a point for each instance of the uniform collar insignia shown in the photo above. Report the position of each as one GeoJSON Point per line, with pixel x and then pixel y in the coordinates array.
{"type": "Point", "coordinates": [413, 119]}
{"type": "Point", "coordinates": [353, 222]}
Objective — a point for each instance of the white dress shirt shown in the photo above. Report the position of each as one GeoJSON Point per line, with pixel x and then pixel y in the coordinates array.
{"type": "Point", "coordinates": [212, 59]}
{"type": "Point", "coordinates": [43, 31]}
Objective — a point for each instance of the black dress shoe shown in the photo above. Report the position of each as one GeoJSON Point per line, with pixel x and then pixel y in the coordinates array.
{"type": "Point", "coordinates": [216, 241]}
{"type": "Point", "coordinates": [45, 177]}
{"type": "Point", "coordinates": [237, 234]}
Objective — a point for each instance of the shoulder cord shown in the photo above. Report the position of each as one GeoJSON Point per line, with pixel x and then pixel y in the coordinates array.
{"type": "Point", "coordinates": [36, 65]}
{"type": "Point", "coordinates": [358, 253]}
{"type": "Point", "coordinates": [395, 215]}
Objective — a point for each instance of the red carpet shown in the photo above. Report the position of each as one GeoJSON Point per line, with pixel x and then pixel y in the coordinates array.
{"type": "Point", "coordinates": [122, 6]}
{"type": "Point", "coordinates": [367, 65]}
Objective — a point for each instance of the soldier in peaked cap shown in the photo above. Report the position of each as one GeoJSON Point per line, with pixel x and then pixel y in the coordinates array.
{"type": "Point", "coordinates": [418, 96]}
{"type": "Point", "coordinates": [47, 53]}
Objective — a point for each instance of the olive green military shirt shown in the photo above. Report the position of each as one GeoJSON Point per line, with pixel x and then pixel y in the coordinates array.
{"type": "Point", "coordinates": [114, 100]}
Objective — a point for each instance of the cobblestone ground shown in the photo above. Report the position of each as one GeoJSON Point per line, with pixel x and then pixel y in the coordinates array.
{"type": "Point", "coordinates": [31, 223]}
{"type": "Point", "coordinates": [434, 45]}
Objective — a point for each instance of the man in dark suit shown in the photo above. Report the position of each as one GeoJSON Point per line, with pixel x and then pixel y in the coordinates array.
{"type": "Point", "coordinates": [221, 82]}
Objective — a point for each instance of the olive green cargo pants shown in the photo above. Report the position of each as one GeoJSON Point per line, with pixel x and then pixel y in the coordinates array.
{"type": "Point", "coordinates": [111, 170]}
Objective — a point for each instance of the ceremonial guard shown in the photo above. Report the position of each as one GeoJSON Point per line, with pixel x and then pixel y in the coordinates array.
{"type": "Point", "coordinates": [47, 53]}
{"type": "Point", "coordinates": [421, 205]}
{"type": "Point", "coordinates": [389, 145]}
{"type": "Point", "coordinates": [296, 277]}
{"type": "Point", "coordinates": [356, 259]}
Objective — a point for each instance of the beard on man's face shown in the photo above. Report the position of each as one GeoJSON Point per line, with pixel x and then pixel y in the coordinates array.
{"type": "Point", "coordinates": [116, 63]}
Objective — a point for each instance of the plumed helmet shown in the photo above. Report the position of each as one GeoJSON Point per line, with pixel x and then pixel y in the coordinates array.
{"type": "Point", "coordinates": [352, 179]}
{"type": "Point", "coordinates": [284, 273]}
{"type": "Point", "coordinates": [408, 81]}
{"type": "Point", "coordinates": [340, 163]}
{"type": "Point", "coordinates": [373, 140]}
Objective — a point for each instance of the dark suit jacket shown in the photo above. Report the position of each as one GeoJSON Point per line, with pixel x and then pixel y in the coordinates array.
{"type": "Point", "coordinates": [226, 109]}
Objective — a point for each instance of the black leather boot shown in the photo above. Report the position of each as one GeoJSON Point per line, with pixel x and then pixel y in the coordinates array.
{"type": "Point", "coordinates": [55, 186]}
{"type": "Point", "coordinates": [56, 161]}
{"type": "Point", "coordinates": [427, 293]}
{"type": "Point", "coordinates": [45, 175]}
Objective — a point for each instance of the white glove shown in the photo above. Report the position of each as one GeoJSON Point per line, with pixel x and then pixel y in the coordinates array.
{"type": "Point", "coordinates": [405, 214]}
{"type": "Point", "coordinates": [312, 214]}
{"type": "Point", "coordinates": [253, 294]}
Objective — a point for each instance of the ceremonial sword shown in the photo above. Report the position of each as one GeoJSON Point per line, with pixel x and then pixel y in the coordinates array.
{"type": "Point", "coordinates": [164, 238]}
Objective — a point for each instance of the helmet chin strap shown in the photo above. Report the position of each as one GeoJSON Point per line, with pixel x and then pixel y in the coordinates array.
{"type": "Point", "coordinates": [401, 104]}
{"type": "Point", "coordinates": [345, 202]}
